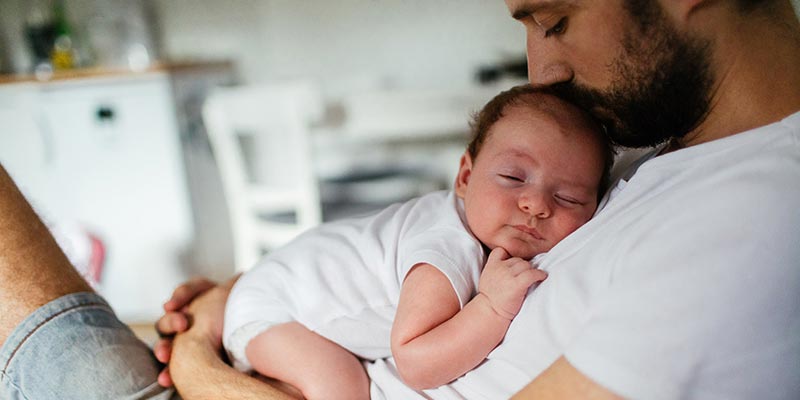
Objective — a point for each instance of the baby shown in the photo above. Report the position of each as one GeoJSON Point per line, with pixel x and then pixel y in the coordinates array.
{"type": "Point", "coordinates": [410, 281]}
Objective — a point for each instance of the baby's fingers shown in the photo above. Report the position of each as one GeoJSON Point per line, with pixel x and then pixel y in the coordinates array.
{"type": "Point", "coordinates": [497, 254]}
{"type": "Point", "coordinates": [518, 266]}
{"type": "Point", "coordinates": [531, 276]}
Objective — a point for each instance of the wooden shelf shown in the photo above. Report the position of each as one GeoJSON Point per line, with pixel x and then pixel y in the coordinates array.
{"type": "Point", "coordinates": [95, 72]}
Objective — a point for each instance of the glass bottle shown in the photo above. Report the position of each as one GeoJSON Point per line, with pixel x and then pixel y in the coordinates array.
{"type": "Point", "coordinates": [63, 54]}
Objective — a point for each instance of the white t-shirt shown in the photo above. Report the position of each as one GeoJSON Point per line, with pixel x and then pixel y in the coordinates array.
{"type": "Point", "coordinates": [343, 279]}
{"type": "Point", "coordinates": [686, 285]}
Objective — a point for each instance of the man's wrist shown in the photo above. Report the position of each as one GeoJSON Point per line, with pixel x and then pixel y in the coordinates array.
{"type": "Point", "coordinates": [194, 355]}
{"type": "Point", "coordinates": [197, 339]}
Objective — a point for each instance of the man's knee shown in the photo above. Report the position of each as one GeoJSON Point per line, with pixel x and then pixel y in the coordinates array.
{"type": "Point", "coordinates": [75, 347]}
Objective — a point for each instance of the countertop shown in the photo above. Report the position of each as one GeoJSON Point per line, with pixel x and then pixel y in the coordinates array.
{"type": "Point", "coordinates": [104, 72]}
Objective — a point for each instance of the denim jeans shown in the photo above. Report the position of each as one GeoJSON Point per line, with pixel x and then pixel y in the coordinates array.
{"type": "Point", "coordinates": [75, 348]}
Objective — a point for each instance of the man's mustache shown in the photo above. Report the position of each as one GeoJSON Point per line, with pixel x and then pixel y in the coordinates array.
{"type": "Point", "coordinates": [583, 97]}
{"type": "Point", "coordinates": [596, 103]}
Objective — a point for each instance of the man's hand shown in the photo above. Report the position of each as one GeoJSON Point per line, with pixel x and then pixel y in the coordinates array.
{"type": "Point", "coordinates": [205, 313]}
{"type": "Point", "coordinates": [175, 320]}
{"type": "Point", "coordinates": [505, 281]}
{"type": "Point", "coordinates": [197, 368]}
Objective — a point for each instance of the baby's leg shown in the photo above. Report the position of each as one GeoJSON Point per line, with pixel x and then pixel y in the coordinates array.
{"type": "Point", "coordinates": [319, 368]}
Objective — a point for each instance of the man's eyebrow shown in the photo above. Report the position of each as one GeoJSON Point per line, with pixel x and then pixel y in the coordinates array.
{"type": "Point", "coordinates": [527, 10]}
{"type": "Point", "coordinates": [524, 12]}
{"type": "Point", "coordinates": [519, 15]}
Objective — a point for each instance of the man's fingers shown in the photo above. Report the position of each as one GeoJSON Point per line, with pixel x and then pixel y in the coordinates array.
{"type": "Point", "coordinates": [164, 378]}
{"type": "Point", "coordinates": [163, 350]}
{"type": "Point", "coordinates": [171, 323]}
{"type": "Point", "coordinates": [184, 293]}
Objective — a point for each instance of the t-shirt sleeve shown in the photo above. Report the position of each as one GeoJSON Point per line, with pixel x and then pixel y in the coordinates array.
{"type": "Point", "coordinates": [711, 314]}
{"type": "Point", "coordinates": [456, 254]}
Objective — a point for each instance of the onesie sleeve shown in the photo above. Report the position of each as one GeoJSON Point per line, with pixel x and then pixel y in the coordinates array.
{"type": "Point", "coordinates": [254, 304]}
{"type": "Point", "coordinates": [711, 314]}
{"type": "Point", "coordinates": [456, 254]}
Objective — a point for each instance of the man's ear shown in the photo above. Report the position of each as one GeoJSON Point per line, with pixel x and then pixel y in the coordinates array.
{"type": "Point", "coordinates": [464, 173]}
{"type": "Point", "coordinates": [682, 9]}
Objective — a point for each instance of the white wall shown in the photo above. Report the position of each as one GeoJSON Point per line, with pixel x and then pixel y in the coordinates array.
{"type": "Point", "coordinates": [396, 42]}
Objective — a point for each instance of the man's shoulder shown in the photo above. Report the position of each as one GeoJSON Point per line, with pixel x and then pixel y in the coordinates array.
{"type": "Point", "coordinates": [714, 191]}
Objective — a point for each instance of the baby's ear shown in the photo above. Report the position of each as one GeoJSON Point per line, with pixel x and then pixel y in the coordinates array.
{"type": "Point", "coordinates": [464, 172]}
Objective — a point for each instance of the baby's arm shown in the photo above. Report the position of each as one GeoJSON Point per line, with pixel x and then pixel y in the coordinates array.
{"type": "Point", "coordinates": [433, 342]}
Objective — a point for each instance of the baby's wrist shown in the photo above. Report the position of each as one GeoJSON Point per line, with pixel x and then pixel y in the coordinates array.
{"type": "Point", "coordinates": [496, 310]}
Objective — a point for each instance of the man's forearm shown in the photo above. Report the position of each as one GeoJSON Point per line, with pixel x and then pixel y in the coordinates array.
{"type": "Point", "coordinates": [199, 373]}
{"type": "Point", "coordinates": [33, 269]}
{"type": "Point", "coordinates": [562, 381]}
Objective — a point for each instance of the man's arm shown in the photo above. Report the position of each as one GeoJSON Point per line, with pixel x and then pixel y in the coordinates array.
{"type": "Point", "coordinates": [562, 381]}
{"type": "Point", "coordinates": [33, 269]}
{"type": "Point", "coordinates": [200, 373]}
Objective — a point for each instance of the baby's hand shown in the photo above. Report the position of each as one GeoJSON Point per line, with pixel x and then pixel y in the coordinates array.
{"type": "Point", "coordinates": [505, 281]}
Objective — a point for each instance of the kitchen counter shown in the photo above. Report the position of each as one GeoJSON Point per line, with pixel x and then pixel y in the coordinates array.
{"type": "Point", "coordinates": [103, 72]}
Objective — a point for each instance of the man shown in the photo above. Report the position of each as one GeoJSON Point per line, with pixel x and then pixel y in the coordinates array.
{"type": "Point", "coordinates": [686, 283]}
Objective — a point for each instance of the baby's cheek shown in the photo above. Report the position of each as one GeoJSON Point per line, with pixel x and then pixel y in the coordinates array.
{"type": "Point", "coordinates": [569, 225]}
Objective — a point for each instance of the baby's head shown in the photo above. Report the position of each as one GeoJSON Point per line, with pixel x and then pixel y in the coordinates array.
{"type": "Point", "coordinates": [533, 172]}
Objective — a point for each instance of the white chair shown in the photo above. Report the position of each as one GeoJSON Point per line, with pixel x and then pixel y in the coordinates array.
{"type": "Point", "coordinates": [272, 195]}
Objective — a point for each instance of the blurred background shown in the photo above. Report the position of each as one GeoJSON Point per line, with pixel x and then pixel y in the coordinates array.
{"type": "Point", "coordinates": [103, 105]}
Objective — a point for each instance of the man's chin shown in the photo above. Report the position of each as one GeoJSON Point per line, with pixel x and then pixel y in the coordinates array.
{"type": "Point", "coordinates": [625, 135]}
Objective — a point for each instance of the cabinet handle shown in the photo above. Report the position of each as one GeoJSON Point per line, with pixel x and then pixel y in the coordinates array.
{"type": "Point", "coordinates": [105, 114]}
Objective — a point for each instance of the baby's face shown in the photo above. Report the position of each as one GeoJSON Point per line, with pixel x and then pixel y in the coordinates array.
{"type": "Point", "coordinates": [533, 183]}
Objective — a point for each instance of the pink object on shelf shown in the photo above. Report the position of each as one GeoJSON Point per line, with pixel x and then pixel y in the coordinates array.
{"type": "Point", "coordinates": [98, 256]}
{"type": "Point", "coordinates": [85, 250]}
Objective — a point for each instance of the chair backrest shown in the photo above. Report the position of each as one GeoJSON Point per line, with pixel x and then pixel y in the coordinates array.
{"type": "Point", "coordinates": [260, 136]}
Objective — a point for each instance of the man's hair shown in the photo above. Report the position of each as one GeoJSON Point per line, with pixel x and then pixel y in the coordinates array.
{"type": "Point", "coordinates": [535, 98]}
{"type": "Point", "coordinates": [745, 5]}
{"type": "Point", "coordinates": [644, 11]}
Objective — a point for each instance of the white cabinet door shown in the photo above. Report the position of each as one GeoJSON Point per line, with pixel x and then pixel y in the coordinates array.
{"type": "Point", "coordinates": [112, 163]}
{"type": "Point", "coordinates": [25, 148]}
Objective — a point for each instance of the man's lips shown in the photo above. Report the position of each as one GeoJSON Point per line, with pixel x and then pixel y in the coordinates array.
{"type": "Point", "coordinates": [530, 231]}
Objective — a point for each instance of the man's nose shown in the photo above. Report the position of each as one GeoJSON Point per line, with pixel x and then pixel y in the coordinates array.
{"type": "Point", "coordinates": [545, 65]}
{"type": "Point", "coordinates": [536, 204]}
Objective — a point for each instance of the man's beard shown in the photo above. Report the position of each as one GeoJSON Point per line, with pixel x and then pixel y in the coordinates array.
{"type": "Point", "coordinates": [661, 87]}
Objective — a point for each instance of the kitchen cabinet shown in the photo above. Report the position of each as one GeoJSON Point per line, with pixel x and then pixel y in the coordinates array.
{"type": "Point", "coordinates": [105, 153]}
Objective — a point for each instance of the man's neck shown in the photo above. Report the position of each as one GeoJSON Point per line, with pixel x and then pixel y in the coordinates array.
{"type": "Point", "coordinates": [757, 78]}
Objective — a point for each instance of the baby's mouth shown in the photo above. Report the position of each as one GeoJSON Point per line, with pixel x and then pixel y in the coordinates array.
{"type": "Point", "coordinates": [530, 231]}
